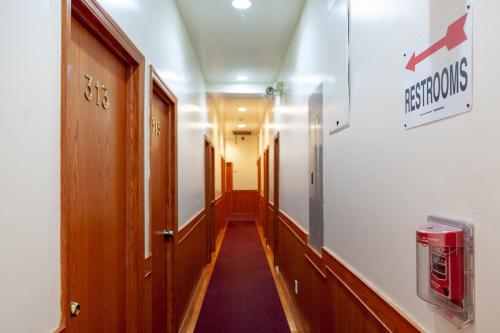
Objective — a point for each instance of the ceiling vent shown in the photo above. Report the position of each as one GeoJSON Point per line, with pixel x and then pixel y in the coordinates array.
{"type": "Point", "coordinates": [238, 133]}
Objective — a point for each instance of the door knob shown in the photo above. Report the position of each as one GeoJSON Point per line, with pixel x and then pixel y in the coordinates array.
{"type": "Point", "coordinates": [165, 233]}
{"type": "Point", "coordinates": [74, 309]}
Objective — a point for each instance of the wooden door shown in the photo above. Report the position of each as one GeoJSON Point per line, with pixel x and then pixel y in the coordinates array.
{"type": "Point", "coordinates": [260, 213]}
{"type": "Point", "coordinates": [259, 179]}
{"type": "Point", "coordinates": [276, 176]}
{"type": "Point", "coordinates": [96, 124]}
{"type": "Point", "coordinates": [213, 221]}
{"type": "Point", "coordinates": [223, 190]}
{"type": "Point", "coordinates": [229, 188]}
{"type": "Point", "coordinates": [163, 207]}
{"type": "Point", "coordinates": [102, 173]}
{"type": "Point", "coordinates": [223, 175]}
{"type": "Point", "coordinates": [266, 193]}
{"type": "Point", "coordinates": [210, 197]}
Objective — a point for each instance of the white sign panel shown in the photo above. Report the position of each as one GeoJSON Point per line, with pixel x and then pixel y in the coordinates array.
{"type": "Point", "coordinates": [336, 87]}
{"type": "Point", "coordinates": [438, 73]}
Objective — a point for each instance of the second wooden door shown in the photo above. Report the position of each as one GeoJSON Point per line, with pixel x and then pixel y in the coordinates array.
{"type": "Point", "coordinates": [162, 216]}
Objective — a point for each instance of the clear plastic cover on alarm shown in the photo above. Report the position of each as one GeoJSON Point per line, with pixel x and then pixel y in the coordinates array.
{"type": "Point", "coordinates": [445, 268]}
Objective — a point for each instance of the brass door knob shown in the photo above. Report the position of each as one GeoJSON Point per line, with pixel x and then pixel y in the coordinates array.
{"type": "Point", "coordinates": [74, 309]}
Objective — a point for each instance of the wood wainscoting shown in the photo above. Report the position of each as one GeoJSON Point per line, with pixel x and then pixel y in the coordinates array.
{"type": "Point", "coordinates": [190, 259]}
{"type": "Point", "coordinates": [331, 297]}
{"type": "Point", "coordinates": [244, 204]}
{"type": "Point", "coordinates": [148, 293]}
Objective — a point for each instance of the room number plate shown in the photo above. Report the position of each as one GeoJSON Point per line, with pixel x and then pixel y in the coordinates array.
{"type": "Point", "coordinates": [102, 98]}
{"type": "Point", "coordinates": [156, 126]}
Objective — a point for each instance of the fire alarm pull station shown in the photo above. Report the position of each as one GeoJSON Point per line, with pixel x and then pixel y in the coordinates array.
{"type": "Point", "coordinates": [445, 268]}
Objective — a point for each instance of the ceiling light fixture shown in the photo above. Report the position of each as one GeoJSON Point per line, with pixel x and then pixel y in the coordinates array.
{"type": "Point", "coordinates": [242, 78]}
{"type": "Point", "coordinates": [242, 109]}
{"type": "Point", "coordinates": [242, 4]}
{"type": "Point", "coordinates": [242, 125]}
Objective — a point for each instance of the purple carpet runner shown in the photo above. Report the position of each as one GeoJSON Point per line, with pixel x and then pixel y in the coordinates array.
{"type": "Point", "coordinates": [242, 296]}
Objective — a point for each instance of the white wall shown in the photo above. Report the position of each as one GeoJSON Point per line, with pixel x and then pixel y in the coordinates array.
{"type": "Point", "coordinates": [215, 132]}
{"type": "Point", "coordinates": [30, 141]}
{"type": "Point", "coordinates": [381, 181]}
{"type": "Point", "coordinates": [29, 165]}
{"type": "Point", "coordinates": [270, 126]}
{"type": "Point", "coordinates": [243, 154]}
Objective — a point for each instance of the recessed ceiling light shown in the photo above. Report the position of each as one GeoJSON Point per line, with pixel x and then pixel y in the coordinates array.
{"type": "Point", "coordinates": [242, 78]}
{"type": "Point", "coordinates": [242, 4]}
{"type": "Point", "coordinates": [242, 109]}
{"type": "Point", "coordinates": [242, 125]}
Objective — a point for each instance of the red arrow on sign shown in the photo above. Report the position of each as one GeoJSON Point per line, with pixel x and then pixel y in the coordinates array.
{"type": "Point", "coordinates": [455, 35]}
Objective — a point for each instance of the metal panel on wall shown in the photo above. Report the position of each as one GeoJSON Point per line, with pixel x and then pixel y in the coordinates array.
{"type": "Point", "coordinates": [316, 168]}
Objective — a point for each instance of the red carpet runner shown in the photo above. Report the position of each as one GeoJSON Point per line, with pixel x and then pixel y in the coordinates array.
{"type": "Point", "coordinates": [242, 296]}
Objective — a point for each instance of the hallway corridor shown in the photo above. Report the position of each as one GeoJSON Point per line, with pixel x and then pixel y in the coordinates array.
{"type": "Point", "coordinates": [249, 166]}
{"type": "Point", "coordinates": [242, 296]}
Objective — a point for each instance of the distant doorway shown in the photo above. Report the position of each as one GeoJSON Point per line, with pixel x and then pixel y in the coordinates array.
{"type": "Point", "coordinates": [266, 194]}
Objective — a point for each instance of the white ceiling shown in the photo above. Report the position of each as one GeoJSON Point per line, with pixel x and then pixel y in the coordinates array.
{"type": "Point", "coordinates": [229, 104]}
{"type": "Point", "coordinates": [229, 45]}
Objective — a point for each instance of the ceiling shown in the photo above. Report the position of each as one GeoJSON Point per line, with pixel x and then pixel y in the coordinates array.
{"type": "Point", "coordinates": [229, 45]}
{"type": "Point", "coordinates": [229, 104]}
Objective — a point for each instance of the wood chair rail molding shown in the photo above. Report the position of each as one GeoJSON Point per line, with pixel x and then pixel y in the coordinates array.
{"type": "Point", "coordinates": [100, 24]}
{"type": "Point", "coordinates": [187, 229]}
{"type": "Point", "coordinates": [380, 315]}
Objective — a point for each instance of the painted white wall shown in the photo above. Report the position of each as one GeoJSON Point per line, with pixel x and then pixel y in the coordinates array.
{"type": "Point", "coordinates": [270, 126]}
{"type": "Point", "coordinates": [29, 168]}
{"type": "Point", "coordinates": [215, 133]}
{"type": "Point", "coordinates": [381, 181]}
{"type": "Point", "coordinates": [30, 141]}
{"type": "Point", "coordinates": [243, 154]}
